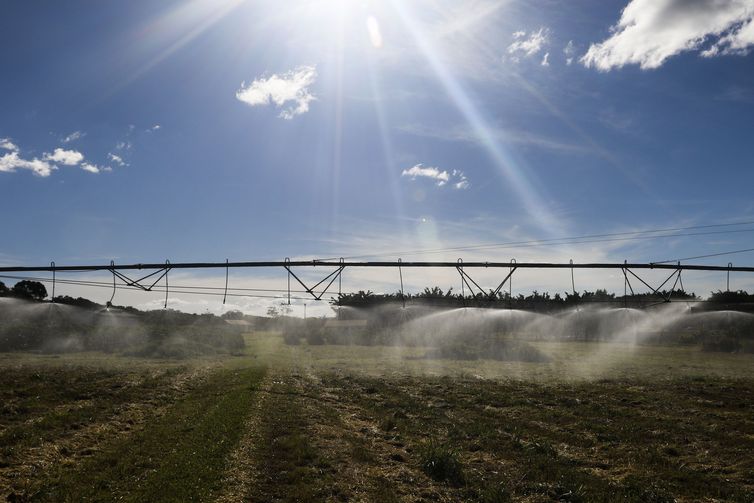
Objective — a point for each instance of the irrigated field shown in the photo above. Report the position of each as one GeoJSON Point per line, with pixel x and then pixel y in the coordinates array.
{"type": "Point", "coordinates": [351, 423]}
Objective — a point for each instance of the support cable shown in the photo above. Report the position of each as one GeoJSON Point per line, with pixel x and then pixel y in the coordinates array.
{"type": "Point", "coordinates": [589, 238]}
{"type": "Point", "coordinates": [721, 254]}
{"type": "Point", "coordinates": [112, 268]}
{"type": "Point", "coordinates": [459, 267]}
{"type": "Point", "coordinates": [287, 263]}
{"type": "Point", "coordinates": [167, 288]}
{"type": "Point", "coordinates": [573, 284]}
{"type": "Point", "coordinates": [727, 284]}
{"type": "Point", "coordinates": [225, 295]}
{"type": "Point", "coordinates": [513, 267]}
{"type": "Point", "coordinates": [400, 273]}
{"type": "Point", "coordinates": [52, 299]}
{"type": "Point", "coordinates": [340, 276]}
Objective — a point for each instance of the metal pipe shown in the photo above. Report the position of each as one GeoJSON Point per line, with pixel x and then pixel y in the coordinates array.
{"type": "Point", "coordinates": [313, 263]}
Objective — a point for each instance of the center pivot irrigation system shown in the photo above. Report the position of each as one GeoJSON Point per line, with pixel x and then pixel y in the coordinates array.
{"type": "Point", "coordinates": [159, 271]}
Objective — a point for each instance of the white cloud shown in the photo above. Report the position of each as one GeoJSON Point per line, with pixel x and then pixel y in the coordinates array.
{"type": "Point", "coordinates": [6, 144]}
{"type": "Point", "coordinates": [65, 157]}
{"type": "Point", "coordinates": [419, 171]}
{"type": "Point", "coordinates": [570, 51]}
{"type": "Point", "coordinates": [651, 31]}
{"type": "Point", "coordinates": [524, 46]}
{"type": "Point", "coordinates": [441, 177]}
{"type": "Point", "coordinates": [11, 161]}
{"type": "Point", "coordinates": [281, 89]}
{"type": "Point", "coordinates": [123, 145]}
{"type": "Point", "coordinates": [76, 135]}
{"type": "Point", "coordinates": [90, 168]}
{"type": "Point", "coordinates": [546, 59]}
{"type": "Point", "coordinates": [154, 128]}
{"type": "Point", "coordinates": [116, 159]}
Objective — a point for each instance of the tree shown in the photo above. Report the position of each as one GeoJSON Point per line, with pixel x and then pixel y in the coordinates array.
{"type": "Point", "coordinates": [232, 315]}
{"type": "Point", "coordinates": [30, 290]}
{"type": "Point", "coordinates": [273, 312]}
{"type": "Point", "coordinates": [3, 289]}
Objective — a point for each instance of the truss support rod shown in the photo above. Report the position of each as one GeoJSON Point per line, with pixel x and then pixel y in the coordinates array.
{"type": "Point", "coordinates": [332, 277]}
{"type": "Point", "coordinates": [656, 291]}
{"type": "Point", "coordinates": [466, 278]}
{"type": "Point", "coordinates": [494, 292]}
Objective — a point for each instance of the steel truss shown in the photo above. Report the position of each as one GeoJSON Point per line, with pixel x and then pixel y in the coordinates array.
{"type": "Point", "coordinates": [161, 270]}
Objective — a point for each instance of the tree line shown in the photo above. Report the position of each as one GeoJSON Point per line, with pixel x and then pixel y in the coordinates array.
{"type": "Point", "coordinates": [537, 301]}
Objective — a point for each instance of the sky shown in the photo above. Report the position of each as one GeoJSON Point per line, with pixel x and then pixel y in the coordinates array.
{"type": "Point", "coordinates": [200, 130]}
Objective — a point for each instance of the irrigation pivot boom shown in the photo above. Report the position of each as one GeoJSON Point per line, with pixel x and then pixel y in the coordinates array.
{"type": "Point", "coordinates": [161, 270]}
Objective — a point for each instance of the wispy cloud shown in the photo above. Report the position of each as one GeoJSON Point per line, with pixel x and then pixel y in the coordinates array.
{"type": "Point", "coordinates": [570, 51]}
{"type": "Point", "coordinates": [116, 159]}
{"type": "Point", "coordinates": [546, 59]}
{"type": "Point", "coordinates": [651, 31]}
{"type": "Point", "coordinates": [525, 46]}
{"type": "Point", "coordinates": [737, 94]}
{"type": "Point", "coordinates": [457, 179]}
{"type": "Point", "coordinates": [508, 136]}
{"type": "Point", "coordinates": [462, 182]}
{"type": "Point", "coordinates": [76, 135]}
{"type": "Point", "coordinates": [289, 90]}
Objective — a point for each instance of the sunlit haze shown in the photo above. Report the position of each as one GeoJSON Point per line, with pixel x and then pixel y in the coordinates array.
{"type": "Point", "coordinates": [424, 130]}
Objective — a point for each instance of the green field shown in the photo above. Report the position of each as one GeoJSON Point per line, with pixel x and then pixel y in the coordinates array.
{"type": "Point", "coordinates": [598, 422]}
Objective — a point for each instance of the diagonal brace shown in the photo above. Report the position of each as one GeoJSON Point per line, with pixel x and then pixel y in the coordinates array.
{"type": "Point", "coordinates": [137, 283]}
{"type": "Point", "coordinates": [492, 294]}
{"type": "Point", "coordinates": [656, 291]}
{"type": "Point", "coordinates": [311, 291]}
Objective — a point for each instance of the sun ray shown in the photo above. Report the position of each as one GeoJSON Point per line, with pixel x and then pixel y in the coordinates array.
{"type": "Point", "coordinates": [533, 203]}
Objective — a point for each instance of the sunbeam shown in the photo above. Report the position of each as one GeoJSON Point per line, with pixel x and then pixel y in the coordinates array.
{"type": "Point", "coordinates": [533, 203]}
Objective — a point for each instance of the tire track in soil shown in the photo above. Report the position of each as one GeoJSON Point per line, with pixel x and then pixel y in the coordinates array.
{"type": "Point", "coordinates": [243, 471]}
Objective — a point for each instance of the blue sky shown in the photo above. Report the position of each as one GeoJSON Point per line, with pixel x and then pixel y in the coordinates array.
{"type": "Point", "coordinates": [200, 130]}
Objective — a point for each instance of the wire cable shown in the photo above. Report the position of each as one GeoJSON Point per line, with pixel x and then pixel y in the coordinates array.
{"type": "Point", "coordinates": [721, 254]}
{"type": "Point", "coordinates": [589, 238]}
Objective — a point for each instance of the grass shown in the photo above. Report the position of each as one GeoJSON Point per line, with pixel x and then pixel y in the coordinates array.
{"type": "Point", "coordinates": [180, 457]}
{"type": "Point", "coordinates": [43, 403]}
{"type": "Point", "coordinates": [613, 440]}
{"type": "Point", "coordinates": [441, 463]}
{"type": "Point", "coordinates": [594, 423]}
{"type": "Point", "coordinates": [291, 468]}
